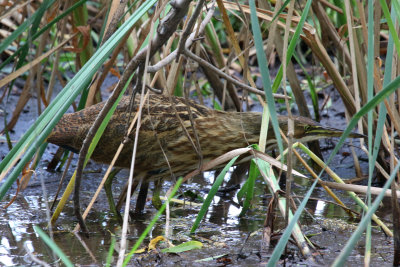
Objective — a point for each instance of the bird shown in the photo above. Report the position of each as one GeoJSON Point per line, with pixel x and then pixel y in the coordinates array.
{"type": "Point", "coordinates": [167, 125]}
{"type": "Point", "coordinates": [176, 136]}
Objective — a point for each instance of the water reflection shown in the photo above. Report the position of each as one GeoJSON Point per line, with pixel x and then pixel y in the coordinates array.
{"type": "Point", "coordinates": [222, 224]}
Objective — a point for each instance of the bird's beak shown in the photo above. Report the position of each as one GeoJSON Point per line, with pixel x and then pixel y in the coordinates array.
{"type": "Point", "coordinates": [318, 132]}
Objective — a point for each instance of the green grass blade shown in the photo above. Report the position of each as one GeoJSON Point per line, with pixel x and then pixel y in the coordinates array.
{"type": "Point", "coordinates": [105, 122]}
{"type": "Point", "coordinates": [344, 254]}
{"type": "Point", "coordinates": [390, 23]}
{"type": "Point", "coordinates": [313, 90]}
{"type": "Point", "coordinates": [150, 226]}
{"type": "Point", "coordinates": [370, 93]}
{"type": "Point", "coordinates": [41, 31]}
{"type": "Point", "coordinates": [110, 251]}
{"type": "Point", "coordinates": [33, 29]}
{"type": "Point", "coordinates": [253, 174]}
{"type": "Point", "coordinates": [190, 245]}
{"type": "Point", "coordinates": [292, 45]}
{"type": "Point", "coordinates": [211, 194]}
{"type": "Point", "coordinates": [276, 254]}
{"type": "Point", "coordinates": [263, 66]}
{"type": "Point", "coordinates": [24, 26]}
{"type": "Point", "coordinates": [382, 108]}
{"type": "Point", "coordinates": [242, 191]}
{"type": "Point", "coordinates": [378, 98]}
{"type": "Point", "coordinates": [56, 249]}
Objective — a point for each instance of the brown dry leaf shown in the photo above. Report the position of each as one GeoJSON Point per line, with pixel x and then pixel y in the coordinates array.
{"type": "Point", "coordinates": [53, 12]}
{"type": "Point", "coordinates": [85, 31]}
{"type": "Point", "coordinates": [268, 15]}
{"type": "Point", "coordinates": [269, 222]}
{"type": "Point", "coordinates": [115, 73]}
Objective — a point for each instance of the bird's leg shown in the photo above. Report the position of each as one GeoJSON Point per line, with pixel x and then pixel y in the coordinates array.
{"type": "Point", "coordinates": [109, 194]}
{"type": "Point", "coordinates": [141, 199]}
{"type": "Point", "coordinates": [122, 196]}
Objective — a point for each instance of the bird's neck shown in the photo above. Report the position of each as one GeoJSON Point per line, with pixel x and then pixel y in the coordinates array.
{"type": "Point", "coordinates": [244, 125]}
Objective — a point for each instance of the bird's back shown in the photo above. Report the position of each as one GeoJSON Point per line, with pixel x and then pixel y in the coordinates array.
{"type": "Point", "coordinates": [166, 124]}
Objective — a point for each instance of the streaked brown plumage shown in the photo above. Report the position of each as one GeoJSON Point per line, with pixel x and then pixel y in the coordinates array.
{"type": "Point", "coordinates": [218, 132]}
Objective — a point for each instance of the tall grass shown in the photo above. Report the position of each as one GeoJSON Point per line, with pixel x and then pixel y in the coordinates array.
{"type": "Point", "coordinates": [344, 38]}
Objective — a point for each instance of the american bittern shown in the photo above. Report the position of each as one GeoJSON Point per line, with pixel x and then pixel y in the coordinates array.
{"type": "Point", "coordinates": [218, 132]}
{"type": "Point", "coordinates": [162, 137]}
